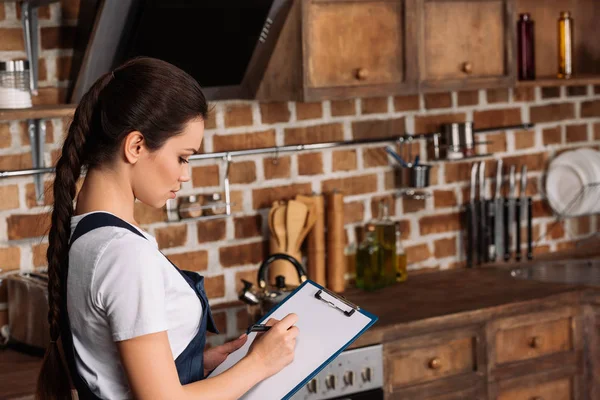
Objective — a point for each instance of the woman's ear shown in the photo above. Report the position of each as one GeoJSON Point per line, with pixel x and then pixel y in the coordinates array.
{"type": "Point", "coordinates": [134, 146]}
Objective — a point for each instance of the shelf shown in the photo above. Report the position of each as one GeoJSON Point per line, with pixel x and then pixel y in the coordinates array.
{"type": "Point", "coordinates": [579, 80]}
{"type": "Point", "coordinates": [37, 112]}
{"type": "Point", "coordinates": [35, 3]}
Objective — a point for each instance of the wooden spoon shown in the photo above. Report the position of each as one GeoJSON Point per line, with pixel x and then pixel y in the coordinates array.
{"type": "Point", "coordinates": [270, 220]}
{"type": "Point", "coordinates": [279, 225]}
{"type": "Point", "coordinates": [295, 218]}
{"type": "Point", "coordinates": [310, 221]}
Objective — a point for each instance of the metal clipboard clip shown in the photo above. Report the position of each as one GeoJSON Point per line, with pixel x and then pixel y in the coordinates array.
{"type": "Point", "coordinates": [348, 313]}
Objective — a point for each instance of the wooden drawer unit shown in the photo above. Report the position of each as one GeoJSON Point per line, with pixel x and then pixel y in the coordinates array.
{"type": "Point", "coordinates": [560, 389]}
{"type": "Point", "coordinates": [435, 357]}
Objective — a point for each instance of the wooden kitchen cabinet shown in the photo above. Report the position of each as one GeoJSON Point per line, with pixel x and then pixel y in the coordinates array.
{"type": "Point", "coordinates": [358, 48]}
{"type": "Point", "coordinates": [465, 44]}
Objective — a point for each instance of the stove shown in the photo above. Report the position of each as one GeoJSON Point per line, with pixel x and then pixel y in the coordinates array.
{"type": "Point", "coordinates": [355, 374]}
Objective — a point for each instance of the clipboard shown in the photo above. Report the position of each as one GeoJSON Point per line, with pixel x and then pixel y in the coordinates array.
{"type": "Point", "coordinates": [328, 324]}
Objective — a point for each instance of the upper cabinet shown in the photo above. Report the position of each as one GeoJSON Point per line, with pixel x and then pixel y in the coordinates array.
{"type": "Point", "coordinates": [358, 48]}
{"type": "Point", "coordinates": [465, 44]}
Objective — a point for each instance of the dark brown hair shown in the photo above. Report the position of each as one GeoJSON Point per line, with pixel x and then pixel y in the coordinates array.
{"type": "Point", "coordinates": [144, 94]}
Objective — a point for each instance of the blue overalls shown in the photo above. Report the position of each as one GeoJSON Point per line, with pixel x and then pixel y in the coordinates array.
{"type": "Point", "coordinates": [190, 363]}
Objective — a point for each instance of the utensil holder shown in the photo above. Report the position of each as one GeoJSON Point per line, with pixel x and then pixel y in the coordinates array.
{"type": "Point", "coordinates": [413, 176]}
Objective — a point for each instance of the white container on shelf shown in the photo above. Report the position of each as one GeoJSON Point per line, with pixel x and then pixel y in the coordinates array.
{"type": "Point", "coordinates": [14, 84]}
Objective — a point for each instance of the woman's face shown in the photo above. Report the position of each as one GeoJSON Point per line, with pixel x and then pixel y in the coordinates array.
{"type": "Point", "coordinates": [161, 173]}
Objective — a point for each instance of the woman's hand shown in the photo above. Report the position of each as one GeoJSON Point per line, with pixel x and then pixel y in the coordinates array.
{"type": "Point", "coordinates": [216, 355]}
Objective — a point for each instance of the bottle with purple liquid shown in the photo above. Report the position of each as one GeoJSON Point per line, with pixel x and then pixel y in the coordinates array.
{"type": "Point", "coordinates": [526, 50]}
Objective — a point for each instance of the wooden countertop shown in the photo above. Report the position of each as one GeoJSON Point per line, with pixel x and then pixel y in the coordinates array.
{"type": "Point", "coordinates": [422, 300]}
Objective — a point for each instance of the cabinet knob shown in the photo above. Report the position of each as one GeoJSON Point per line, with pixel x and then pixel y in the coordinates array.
{"type": "Point", "coordinates": [537, 398]}
{"type": "Point", "coordinates": [435, 363]}
{"type": "Point", "coordinates": [362, 74]}
{"type": "Point", "coordinates": [536, 342]}
{"type": "Point", "coordinates": [467, 67]}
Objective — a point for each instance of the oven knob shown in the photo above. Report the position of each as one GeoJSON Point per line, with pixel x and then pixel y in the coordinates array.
{"type": "Point", "coordinates": [311, 386]}
{"type": "Point", "coordinates": [330, 382]}
{"type": "Point", "coordinates": [349, 378]}
{"type": "Point", "coordinates": [366, 374]}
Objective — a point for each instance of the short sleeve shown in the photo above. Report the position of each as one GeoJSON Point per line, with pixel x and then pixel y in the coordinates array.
{"type": "Point", "coordinates": [130, 289]}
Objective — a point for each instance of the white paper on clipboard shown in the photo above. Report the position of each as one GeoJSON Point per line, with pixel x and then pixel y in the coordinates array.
{"type": "Point", "coordinates": [324, 331]}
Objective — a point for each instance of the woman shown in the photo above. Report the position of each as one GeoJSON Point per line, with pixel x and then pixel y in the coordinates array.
{"type": "Point", "coordinates": [132, 324]}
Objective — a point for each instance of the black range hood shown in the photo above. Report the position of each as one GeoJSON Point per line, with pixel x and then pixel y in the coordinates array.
{"type": "Point", "coordinates": [225, 45]}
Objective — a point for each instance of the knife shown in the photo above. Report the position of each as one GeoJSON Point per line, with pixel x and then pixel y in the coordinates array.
{"type": "Point", "coordinates": [521, 210]}
{"type": "Point", "coordinates": [499, 214]}
{"type": "Point", "coordinates": [529, 230]}
{"type": "Point", "coordinates": [509, 209]}
{"type": "Point", "coordinates": [472, 219]}
{"type": "Point", "coordinates": [482, 251]}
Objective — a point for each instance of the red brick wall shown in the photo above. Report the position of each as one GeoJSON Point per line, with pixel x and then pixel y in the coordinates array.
{"type": "Point", "coordinates": [230, 249]}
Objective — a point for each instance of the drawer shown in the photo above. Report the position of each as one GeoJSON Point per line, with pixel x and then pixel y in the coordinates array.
{"type": "Point", "coordinates": [533, 340]}
{"type": "Point", "coordinates": [560, 389]}
{"type": "Point", "coordinates": [437, 358]}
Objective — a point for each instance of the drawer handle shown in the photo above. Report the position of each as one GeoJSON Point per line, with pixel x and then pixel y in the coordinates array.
{"type": "Point", "coordinates": [467, 68]}
{"type": "Point", "coordinates": [362, 74]}
{"type": "Point", "coordinates": [435, 363]}
{"type": "Point", "coordinates": [535, 343]}
{"type": "Point", "coordinates": [537, 398]}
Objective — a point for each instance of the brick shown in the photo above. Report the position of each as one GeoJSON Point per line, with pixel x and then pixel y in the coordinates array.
{"type": "Point", "coordinates": [439, 223]}
{"type": "Point", "coordinates": [577, 133]}
{"type": "Point", "coordinates": [39, 255]}
{"type": "Point", "coordinates": [242, 172]}
{"type": "Point", "coordinates": [444, 198]}
{"type": "Point", "coordinates": [534, 162]}
{"type": "Point", "coordinates": [314, 134]}
{"type": "Point", "coordinates": [352, 185]}
{"type": "Point", "coordinates": [211, 230]}
{"type": "Point", "coordinates": [468, 98]}
{"type": "Point", "coordinates": [10, 258]}
{"type": "Point", "coordinates": [191, 261]}
{"type": "Point", "coordinates": [12, 39]}
{"type": "Point", "coordinates": [57, 37]}
{"type": "Point", "coordinates": [498, 142]}
{"type": "Point", "coordinates": [374, 105]}
{"type": "Point", "coordinates": [378, 128]}
{"type": "Point", "coordinates": [404, 229]}
{"type": "Point", "coordinates": [24, 133]}
{"type": "Point", "coordinates": [540, 209]}
{"type": "Point", "coordinates": [264, 197]}
{"type": "Point", "coordinates": [341, 108]}
{"type": "Point", "coordinates": [597, 131]}
{"type": "Point", "coordinates": [490, 118]}
{"type": "Point", "coordinates": [31, 198]}
{"type": "Point", "coordinates": [417, 253]}
{"type": "Point", "coordinates": [50, 96]}
{"type": "Point", "coordinates": [573, 91]}
{"type": "Point", "coordinates": [211, 120]}
{"type": "Point", "coordinates": [583, 225]}
{"type": "Point", "coordinates": [410, 205]}
{"type": "Point", "coordinates": [9, 197]}
{"type": "Point", "coordinates": [69, 9]}
{"type": "Point", "coordinates": [171, 236]}
{"type": "Point", "coordinates": [354, 212]}
{"type": "Point", "coordinates": [5, 135]}
{"type": "Point", "coordinates": [23, 226]}
{"type": "Point", "coordinates": [461, 171]}
{"type": "Point", "coordinates": [406, 103]}
{"type": "Point", "coordinates": [387, 199]}
{"type": "Point", "coordinates": [552, 112]}
{"type": "Point", "coordinates": [596, 89]}
{"type": "Point", "coordinates": [238, 115]}
{"type": "Point", "coordinates": [445, 247]}
{"type": "Point", "coordinates": [523, 94]}
{"type": "Point", "coordinates": [145, 214]}
{"type": "Point", "coordinates": [432, 123]}
{"type": "Point", "coordinates": [63, 68]}
{"type": "Point", "coordinates": [569, 245]}
{"type": "Point", "coordinates": [375, 157]}
{"type": "Point", "coordinates": [277, 168]}
{"type": "Point", "coordinates": [309, 110]}
{"type": "Point", "coordinates": [220, 320]}
{"type": "Point", "coordinates": [43, 12]}
{"type": "Point", "coordinates": [247, 226]}
{"type": "Point", "coordinates": [524, 139]}
{"type": "Point", "coordinates": [543, 249]}
{"type": "Point", "coordinates": [42, 70]}
{"type": "Point", "coordinates": [206, 175]}
{"type": "Point", "coordinates": [497, 96]}
{"type": "Point", "coordinates": [556, 230]}
{"type": "Point", "coordinates": [272, 113]}
{"type": "Point", "coordinates": [437, 100]}
{"type": "Point", "coordinates": [214, 286]}
{"type": "Point", "coordinates": [343, 160]}
{"type": "Point", "coordinates": [2, 12]}
{"type": "Point", "coordinates": [242, 254]}
{"type": "Point", "coordinates": [590, 109]}
{"type": "Point", "coordinates": [310, 164]}
{"type": "Point", "coordinates": [247, 275]}
{"type": "Point", "coordinates": [244, 141]}
{"type": "Point", "coordinates": [550, 92]}
{"type": "Point", "coordinates": [552, 136]}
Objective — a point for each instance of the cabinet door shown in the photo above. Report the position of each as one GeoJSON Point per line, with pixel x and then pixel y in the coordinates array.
{"type": "Point", "coordinates": [465, 44]}
{"type": "Point", "coordinates": [358, 48]}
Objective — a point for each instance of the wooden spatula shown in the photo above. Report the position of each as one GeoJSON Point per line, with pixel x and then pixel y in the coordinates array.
{"type": "Point", "coordinates": [310, 221]}
{"type": "Point", "coordinates": [295, 218]}
{"type": "Point", "coordinates": [279, 225]}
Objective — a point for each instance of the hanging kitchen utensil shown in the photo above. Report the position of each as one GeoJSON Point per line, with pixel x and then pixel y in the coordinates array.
{"type": "Point", "coordinates": [499, 214]}
{"type": "Point", "coordinates": [481, 254]}
{"type": "Point", "coordinates": [472, 219]}
{"type": "Point", "coordinates": [509, 211]}
{"type": "Point", "coordinates": [521, 211]}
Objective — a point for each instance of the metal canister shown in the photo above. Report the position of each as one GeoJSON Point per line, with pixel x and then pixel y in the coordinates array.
{"type": "Point", "coordinates": [14, 84]}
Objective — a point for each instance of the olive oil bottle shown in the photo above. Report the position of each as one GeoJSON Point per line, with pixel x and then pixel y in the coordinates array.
{"type": "Point", "coordinates": [386, 236]}
{"type": "Point", "coordinates": [401, 261]}
{"type": "Point", "coordinates": [370, 272]}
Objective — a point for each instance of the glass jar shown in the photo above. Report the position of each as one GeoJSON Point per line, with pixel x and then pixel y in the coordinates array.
{"type": "Point", "coordinates": [14, 84]}
{"type": "Point", "coordinates": [565, 45]}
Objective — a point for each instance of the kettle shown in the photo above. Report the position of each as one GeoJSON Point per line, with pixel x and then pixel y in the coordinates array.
{"type": "Point", "coordinates": [268, 296]}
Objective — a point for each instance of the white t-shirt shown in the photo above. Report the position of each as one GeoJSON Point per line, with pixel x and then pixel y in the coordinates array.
{"type": "Point", "coordinates": [119, 287]}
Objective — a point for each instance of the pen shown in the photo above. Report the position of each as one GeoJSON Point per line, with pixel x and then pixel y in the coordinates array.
{"type": "Point", "coordinates": [258, 328]}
